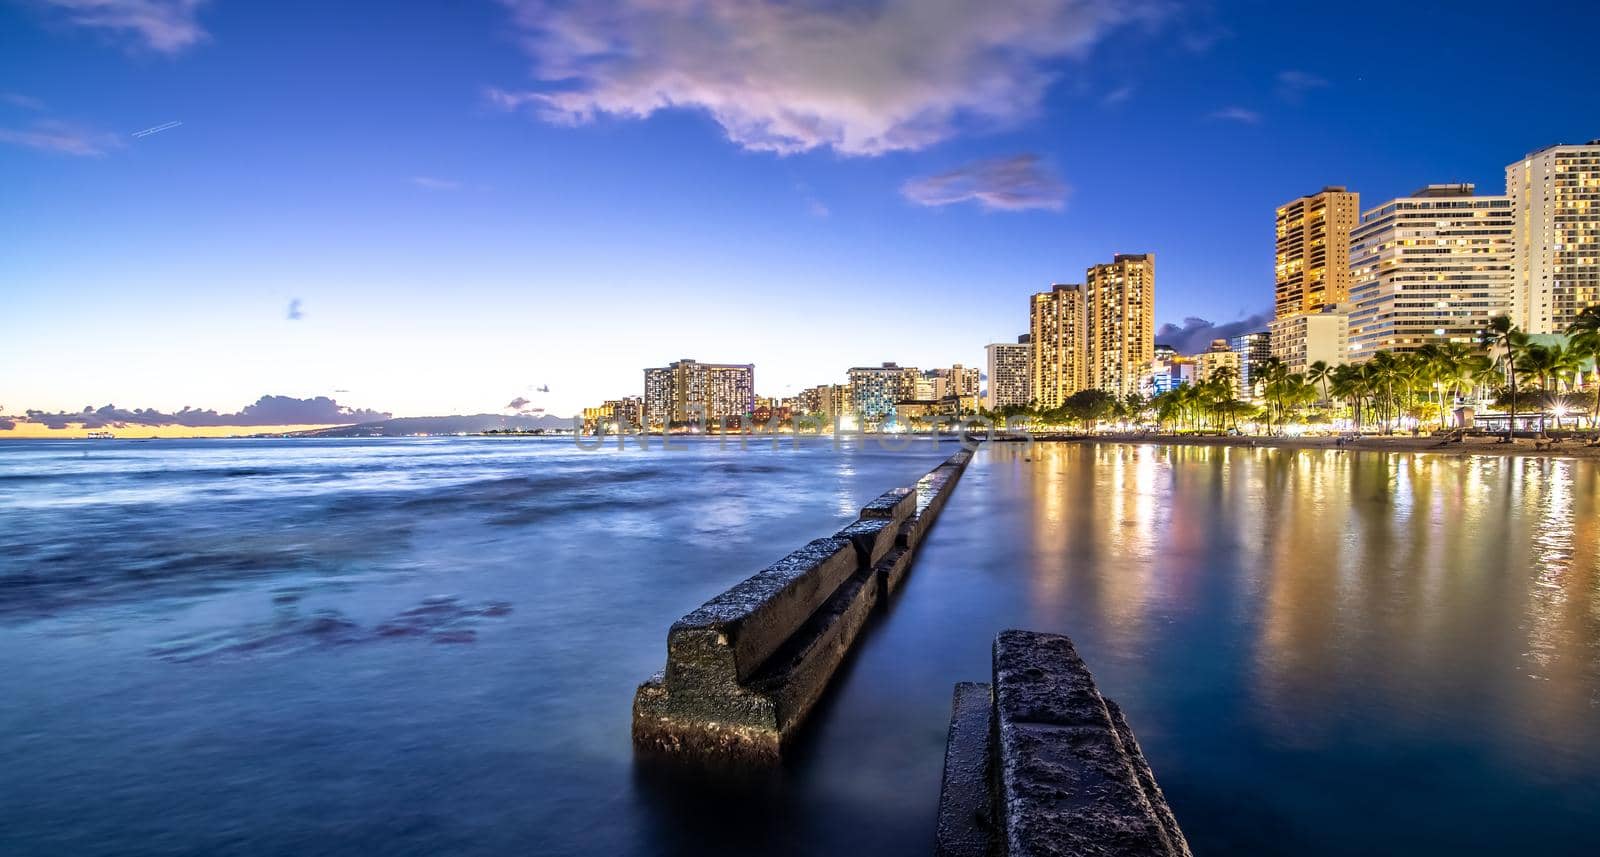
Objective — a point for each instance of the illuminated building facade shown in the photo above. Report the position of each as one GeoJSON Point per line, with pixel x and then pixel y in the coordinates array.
{"type": "Point", "coordinates": [1119, 302]}
{"type": "Point", "coordinates": [1301, 340]}
{"type": "Point", "coordinates": [1010, 374]}
{"type": "Point", "coordinates": [1435, 266]}
{"type": "Point", "coordinates": [1055, 322]}
{"type": "Point", "coordinates": [689, 391]}
{"type": "Point", "coordinates": [1312, 266]}
{"type": "Point", "coordinates": [1555, 194]}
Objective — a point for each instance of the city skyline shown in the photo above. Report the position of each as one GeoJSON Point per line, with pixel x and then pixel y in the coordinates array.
{"type": "Point", "coordinates": [437, 249]}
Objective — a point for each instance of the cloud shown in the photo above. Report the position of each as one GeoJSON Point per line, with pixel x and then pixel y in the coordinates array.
{"type": "Point", "coordinates": [1195, 335]}
{"type": "Point", "coordinates": [295, 313]}
{"type": "Point", "coordinates": [26, 102]}
{"type": "Point", "coordinates": [427, 183]}
{"type": "Point", "coordinates": [861, 79]}
{"type": "Point", "coordinates": [167, 26]}
{"type": "Point", "coordinates": [60, 138]}
{"type": "Point", "coordinates": [1237, 114]}
{"type": "Point", "coordinates": [517, 404]}
{"type": "Point", "coordinates": [1117, 96]}
{"type": "Point", "coordinates": [1015, 183]}
{"type": "Point", "coordinates": [1293, 85]}
{"type": "Point", "coordinates": [266, 411]}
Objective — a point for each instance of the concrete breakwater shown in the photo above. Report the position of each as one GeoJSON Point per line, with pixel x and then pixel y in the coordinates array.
{"type": "Point", "coordinates": [745, 669]}
{"type": "Point", "coordinates": [1038, 762]}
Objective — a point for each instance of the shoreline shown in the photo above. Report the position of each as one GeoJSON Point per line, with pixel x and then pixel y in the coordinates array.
{"type": "Point", "coordinates": [1472, 445]}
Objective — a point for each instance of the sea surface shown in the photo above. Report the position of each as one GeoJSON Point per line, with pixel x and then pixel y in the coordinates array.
{"type": "Point", "coordinates": [429, 647]}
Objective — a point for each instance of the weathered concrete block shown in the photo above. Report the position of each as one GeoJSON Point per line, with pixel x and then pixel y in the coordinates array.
{"type": "Point", "coordinates": [966, 817]}
{"type": "Point", "coordinates": [933, 490]}
{"type": "Point", "coordinates": [896, 504]}
{"type": "Point", "coordinates": [892, 569]}
{"type": "Point", "coordinates": [960, 458]}
{"type": "Point", "coordinates": [872, 538]}
{"type": "Point", "coordinates": [1071, 779]}
{"type": "Point", "coordinates": [729, 637]}
{"type": "Point", "coordinates": [799, 673]}
{"type": "Point", "coordinates": [908, 535]}
{"type": "Point", "coordinates": [751, 722]}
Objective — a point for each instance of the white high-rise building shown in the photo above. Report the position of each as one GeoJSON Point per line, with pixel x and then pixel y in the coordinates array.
{"type": "Point", "coordinates": [1555, 193]}
{"type": "Point", "coordinates": [1435, 266]}
{"type": "Point", "coordinates": [1301, 340]}
{"type": "Point", "coordinates": [1009, 380]}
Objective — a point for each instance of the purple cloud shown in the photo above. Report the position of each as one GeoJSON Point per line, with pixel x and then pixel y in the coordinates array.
{"type": "Point", "coordinates": [167, 26]}
{"type": "Point", "coordinates": [1195, 334]}
{"type": "Point", "coordinates": [1016, 183]}
{"type": "Point", "coordinates": [861, 79]}
{"type": "Point", "coordinates": [266, 411]}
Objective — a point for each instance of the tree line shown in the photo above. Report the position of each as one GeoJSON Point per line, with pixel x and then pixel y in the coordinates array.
{"type": "Point", "coordinates": [1519, 375]}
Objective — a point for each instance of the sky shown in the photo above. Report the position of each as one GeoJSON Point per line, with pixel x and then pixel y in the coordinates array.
{"type": "Point", "coordinates": [430, 208]}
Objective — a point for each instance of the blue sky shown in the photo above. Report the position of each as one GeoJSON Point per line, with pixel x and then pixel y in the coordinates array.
{"type": "Point", "coordinates": [471, 200]}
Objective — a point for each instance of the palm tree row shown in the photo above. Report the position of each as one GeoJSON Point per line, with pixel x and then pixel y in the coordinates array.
{"type": "Point", "coordinates": [1419, 385]}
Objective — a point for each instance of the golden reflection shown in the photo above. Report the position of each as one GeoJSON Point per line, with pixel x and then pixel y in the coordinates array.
{"type": "Point", "coordinates": [1469, 586]}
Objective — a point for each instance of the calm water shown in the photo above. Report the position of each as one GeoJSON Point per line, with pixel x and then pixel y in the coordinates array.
{"type": "Point", "coordinates": [429, 647]}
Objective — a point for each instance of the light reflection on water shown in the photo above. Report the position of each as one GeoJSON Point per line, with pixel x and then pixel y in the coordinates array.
{"type": "Point", "coordinates": [1435, 620]}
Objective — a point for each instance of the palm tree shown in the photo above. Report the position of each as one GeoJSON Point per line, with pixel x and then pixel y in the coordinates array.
{"type": "Point", "coordinates": [1504, 335]}
{"type": "Point", "coordinates": [1319, 372]}
{"type": "Point", "coordinates": [1347, 384]}
{"type": "Point", "coordinates": [1585, 333]}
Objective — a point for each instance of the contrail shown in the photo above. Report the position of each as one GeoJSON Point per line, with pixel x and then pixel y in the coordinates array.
{"type": "Point", "coordinates": [157, 129]}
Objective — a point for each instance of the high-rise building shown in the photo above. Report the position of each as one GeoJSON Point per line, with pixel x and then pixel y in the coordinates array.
{"type": "Point", "coordinates": [1253, 350]}
{"type": "Point", "coordinates": [958, 382]}
{"type": "Point", "coordinates": [1301, 340]}
{"type": "Point", "coordinates": [688, 391]}
{"type": "Point", "coordinates": [1119, 322]}
{"type": "Point", "coordinates": [1216, 358]}
{"type": "Point", "coordinates": [1555, 193]}
{"type": "Point", "coordinates": [658, 396]}
{"type": "Point", "coordinates": [1313, 258]}
{"type": "Point", "coordinates": [1435, 266]}
{"type": "Point", "coordinates": [1055, 320]}
{"type": "Point", "coordinates": [874, 390]}
{"type": "Point", "coordinates": [1010, 368]}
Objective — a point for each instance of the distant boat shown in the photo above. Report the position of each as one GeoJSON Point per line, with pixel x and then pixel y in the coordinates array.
{"type": "Point", "coordinates": [101, 435]}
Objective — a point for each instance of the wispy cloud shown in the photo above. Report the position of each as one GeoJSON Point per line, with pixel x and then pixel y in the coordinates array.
{"type": "Point", "coordinates": [1237, 114]}
{"type": "Point", "coordinates": [1293, 85]}
{"type": "Point", "coordinates": [1117, 96]}
{"type": "Point", "coordinates": [61, 138]}
{"type": "Point", "coordinates": [792, 77]}
{"type": "Point", "coordinates": [1016, 183]}
{"type": "Point", "coordinates": [168, 26]}
{"type": "Point", "coordinates": [428, 183]}
{"type": "Point", "coordinates": [26, 102]}
{"type": "Point", "coordinates": [294, 313]}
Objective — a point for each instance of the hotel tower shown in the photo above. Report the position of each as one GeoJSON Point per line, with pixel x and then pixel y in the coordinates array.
{"type": "Point", "coordinates": [1435, 266]}
{"type": "Point", "coordinates": [1055, 324]}
{"type": "Point", "coordinates": [1313, 258]}
{"type": "Point", "coordinates": [1119, 302]}
{"type": "Point", "coordinates": [1555, 193]}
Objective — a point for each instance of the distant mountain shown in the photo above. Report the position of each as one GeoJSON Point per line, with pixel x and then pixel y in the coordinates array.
{"type": "Point", "coordinates": [470, 424]}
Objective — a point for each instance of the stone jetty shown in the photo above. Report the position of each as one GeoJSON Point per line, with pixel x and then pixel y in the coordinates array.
{"type": "Point", "coordinates": [1039, 763]}
{"type": "Point", "coordinates": [745, 669]}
